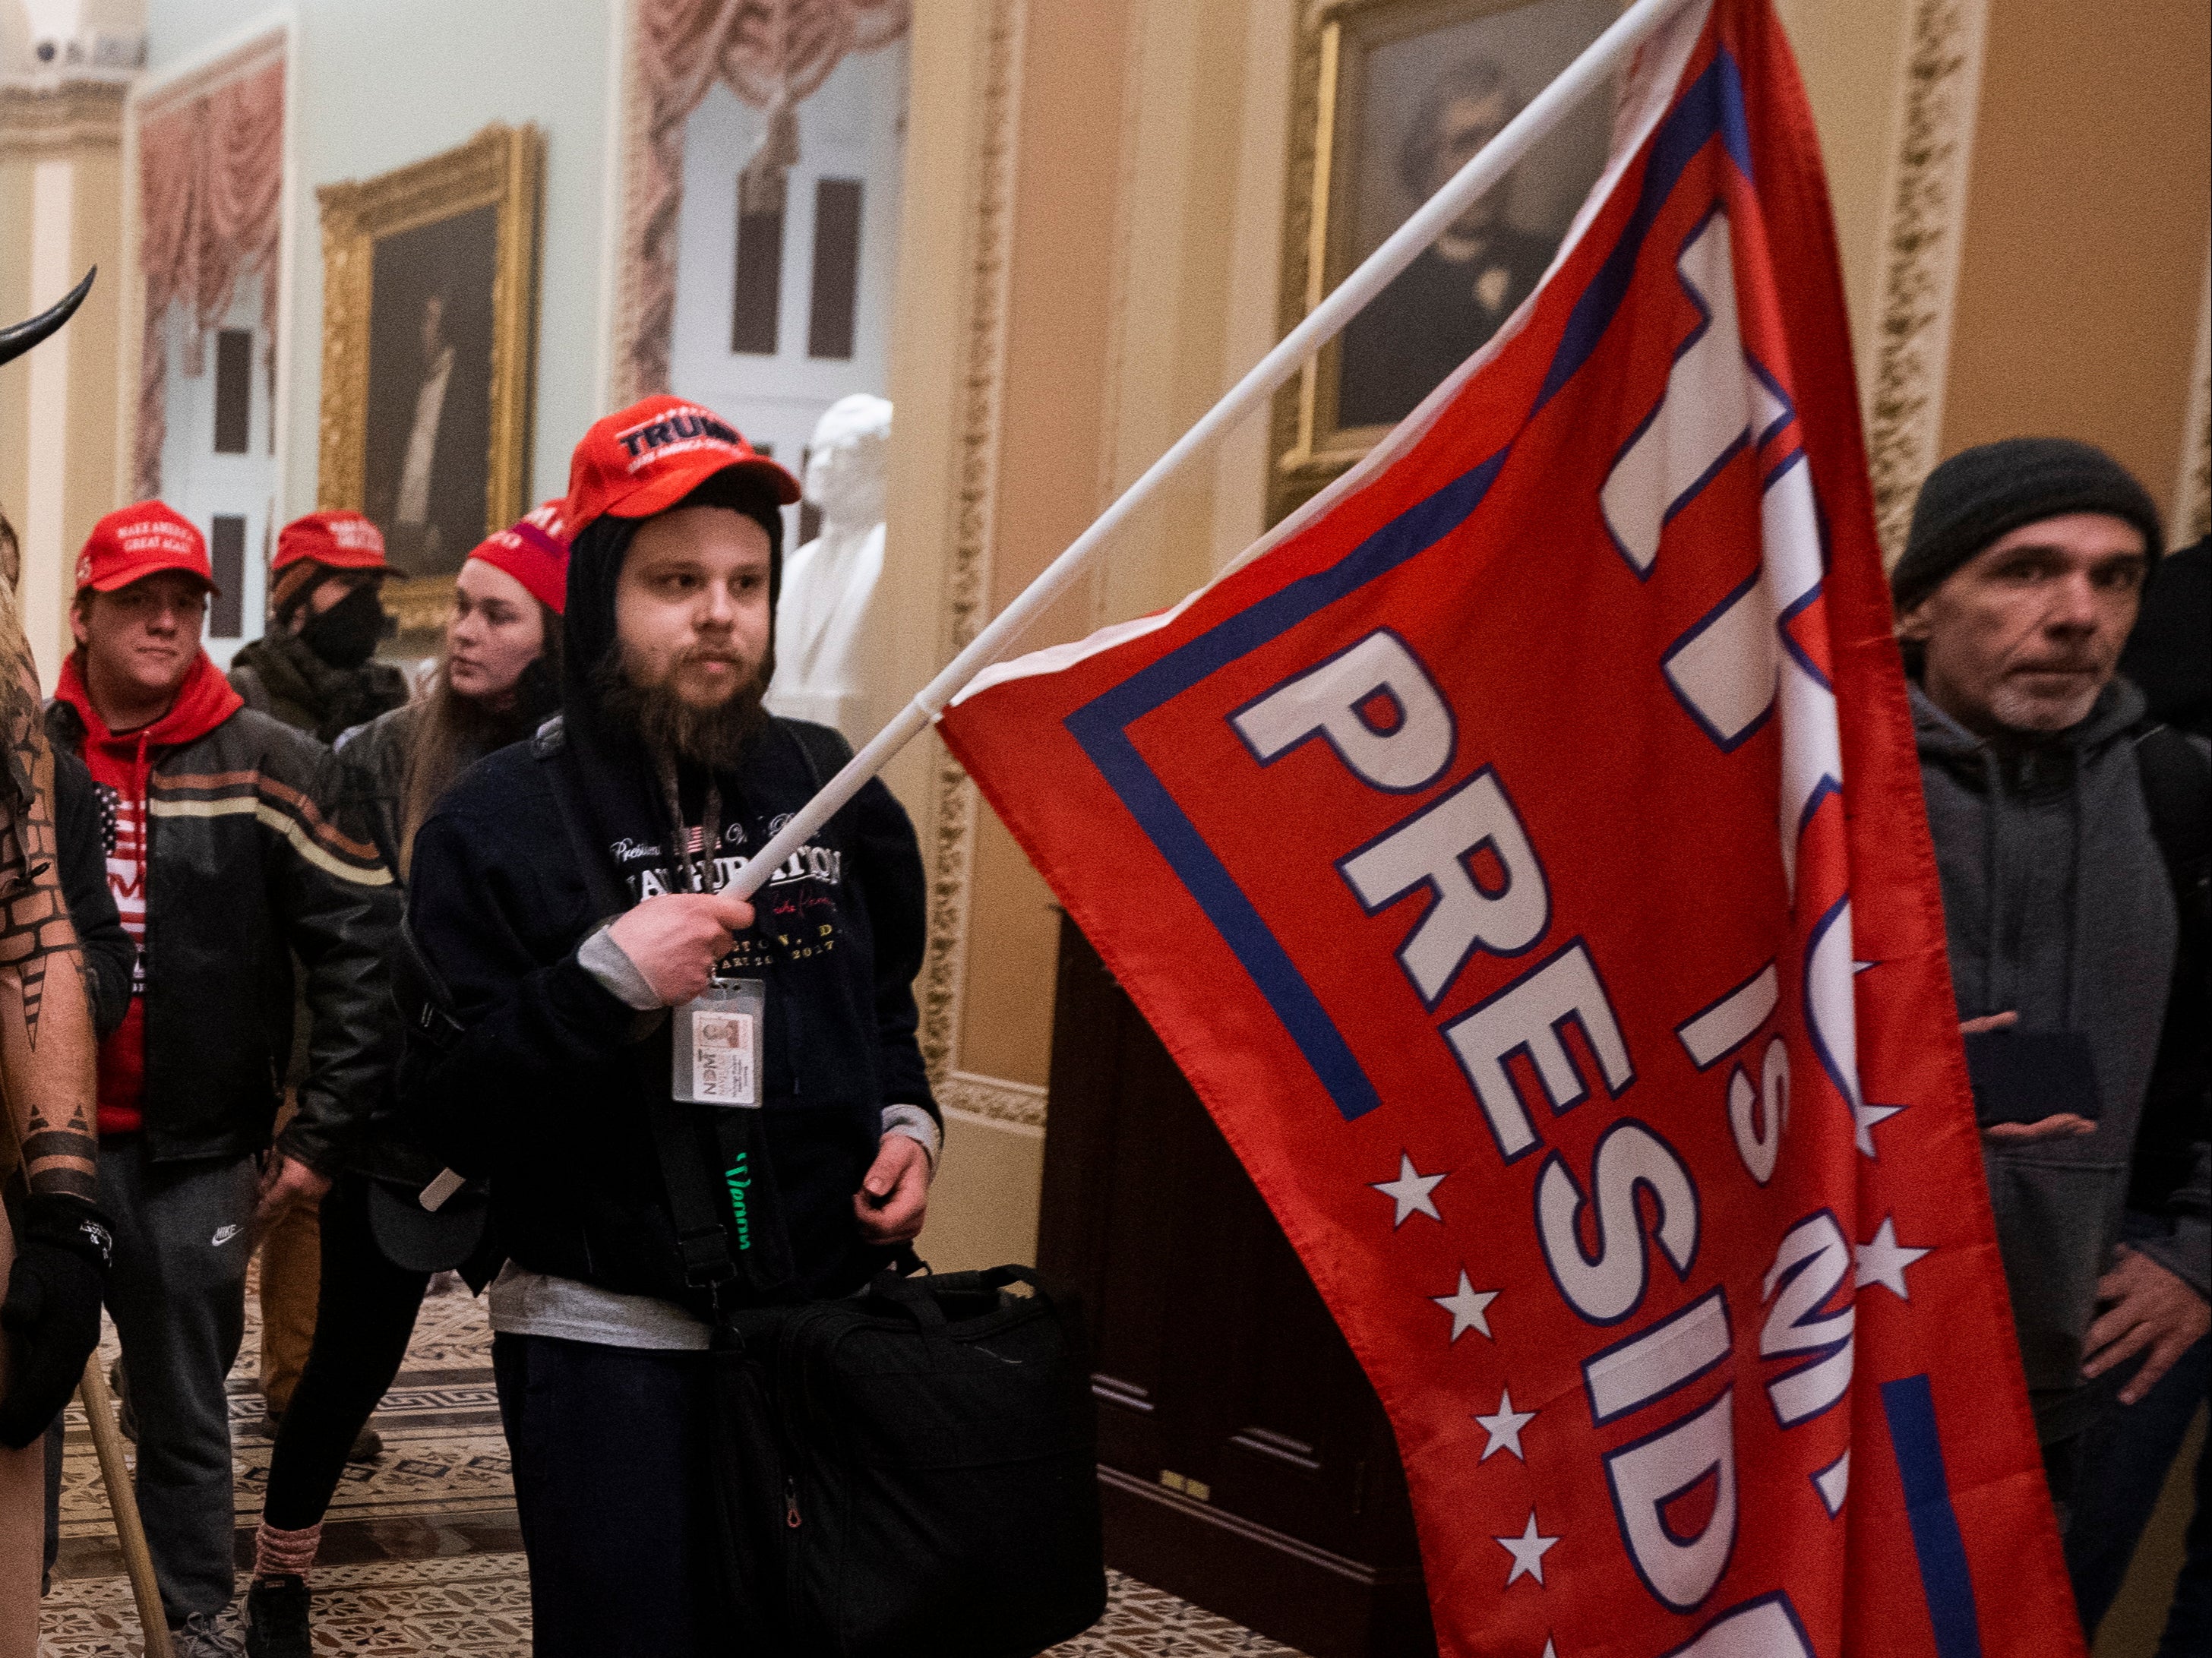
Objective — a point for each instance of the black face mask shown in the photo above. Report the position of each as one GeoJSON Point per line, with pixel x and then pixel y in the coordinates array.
{"type": "Point", "coordinates": [345, 635]}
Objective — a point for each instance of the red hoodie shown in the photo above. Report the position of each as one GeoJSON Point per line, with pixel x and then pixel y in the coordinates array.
{"type": "Point", "coordinates": [119, 763]}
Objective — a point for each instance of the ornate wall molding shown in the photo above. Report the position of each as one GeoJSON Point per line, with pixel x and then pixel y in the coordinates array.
{"type": "Point", "coordinates": [1014, 1105]}
{"type": "Point", "coordinates": [2192, 495]}
{"type": "Point", "coordinates": [1921, 234]}
{"type": "Point", "coordinates": [51, 120]}
{"type": "Point", "coordinates": [968, 577]}
{"type": "Point", "coordinates": [503, 167]}
{"type": "Point", "coordinates": [1292, 479]}
{"type": "Point", "coordinates": [1114, 373]}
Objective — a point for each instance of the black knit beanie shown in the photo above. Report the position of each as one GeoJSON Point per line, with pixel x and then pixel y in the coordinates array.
{"type": "Point", "coordinates": [1982, 494]}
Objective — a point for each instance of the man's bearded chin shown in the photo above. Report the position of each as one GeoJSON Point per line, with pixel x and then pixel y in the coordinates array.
{"type": "Point", "coordinates": [712, 736]}
{"type": "Point", "coordinates": [2016, 708]}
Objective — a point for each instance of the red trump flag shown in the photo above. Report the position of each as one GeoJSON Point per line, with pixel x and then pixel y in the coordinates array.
{"type": "Point", "coordinates": [1523, 854]}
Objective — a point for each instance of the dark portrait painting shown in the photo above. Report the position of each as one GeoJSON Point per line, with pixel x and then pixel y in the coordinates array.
{"type": "Point", "coordinates": [1421, 100]}
{"type": "Point", "coordinates": [427, 460]}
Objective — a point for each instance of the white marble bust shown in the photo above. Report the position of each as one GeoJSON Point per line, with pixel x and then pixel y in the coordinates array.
{"type": "Point", "coordinates": [825, 666]}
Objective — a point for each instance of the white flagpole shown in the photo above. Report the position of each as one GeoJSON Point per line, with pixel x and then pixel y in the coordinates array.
{"type": "Point", "coordinates": [1607, 53]}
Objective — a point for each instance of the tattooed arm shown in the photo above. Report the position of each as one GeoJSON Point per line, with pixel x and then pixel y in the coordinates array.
{"type": "Point", "coordinates": [45, 1020]}
{"type": "Point", "coordinates": [50, 1315]}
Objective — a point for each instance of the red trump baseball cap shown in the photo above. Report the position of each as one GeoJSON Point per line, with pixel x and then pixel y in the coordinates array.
{"type": "Point", "coordinates": [535, 552]}
{"type": "Point", "coordinates": [339, 541]}
{"type": "Point", "coordinates": [134, 541]}
{"type": "Point", "coordinates": [643, 459]}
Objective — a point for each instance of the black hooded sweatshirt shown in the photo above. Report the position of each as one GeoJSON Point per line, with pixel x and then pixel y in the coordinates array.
{"type": "Point", "coordinates": [549, 1087]}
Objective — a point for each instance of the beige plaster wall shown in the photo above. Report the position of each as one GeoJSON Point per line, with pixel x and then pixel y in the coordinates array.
{"type": "Point", "coordinates": [983, 1205]}
{"type": "Point", "coordinates": [930, 356]}
{"type": "Point", "coordinates": [95, 355]}
{"type": "Point", "coordinates": [78, 127]}
{"type": "Point", "coordinates": [16, 303]}
{"type": "Point", "coordinates": [1147, 210]}
{"type": "Point", "coordinates": [1059, 325]}
{"type": "Point", "coordinates": [2086, 228]}
{"type": "Point", "coordinates": [1851, 57]}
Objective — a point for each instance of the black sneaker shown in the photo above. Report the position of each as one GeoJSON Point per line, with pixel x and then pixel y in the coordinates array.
{"type": "Point", "coordinates": [277, 1617]}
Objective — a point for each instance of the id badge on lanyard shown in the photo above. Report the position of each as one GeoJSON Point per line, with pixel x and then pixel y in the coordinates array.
{"type": "Point", "coordinates": [718, 1042]}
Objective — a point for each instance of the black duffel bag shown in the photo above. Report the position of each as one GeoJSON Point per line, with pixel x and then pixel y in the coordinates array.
{"type": "Point", "coordinates": [913, 1471]}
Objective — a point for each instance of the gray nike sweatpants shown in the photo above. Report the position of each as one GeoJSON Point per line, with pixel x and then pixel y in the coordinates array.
{"type": "Point", "coordinates": [183, 1233]}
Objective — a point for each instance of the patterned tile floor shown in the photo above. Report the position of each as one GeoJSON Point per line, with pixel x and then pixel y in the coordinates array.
{"type": "Point", "coordinates": [420, 1552]}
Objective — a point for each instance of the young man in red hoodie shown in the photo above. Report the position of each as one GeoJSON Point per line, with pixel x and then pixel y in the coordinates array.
{"type": "Point", "coordinates": [234, 844]}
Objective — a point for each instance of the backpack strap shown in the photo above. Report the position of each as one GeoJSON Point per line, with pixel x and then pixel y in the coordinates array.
{"type": "Point", "coordinates": [426, 1005]}
{"type": "Point", "coordinates": [823, 748]}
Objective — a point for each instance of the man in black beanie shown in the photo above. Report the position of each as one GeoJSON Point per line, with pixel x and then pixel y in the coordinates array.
{"type": "Point", "coordinates": [609, 1002]}
{"type": "Point", "coordinates": [2018, 587]}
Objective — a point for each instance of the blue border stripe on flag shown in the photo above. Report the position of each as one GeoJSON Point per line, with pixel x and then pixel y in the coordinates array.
{"type": "Point", "coordinates": [1712, 105]}
{"type": "Point", "coordinates": [1944, 1579]}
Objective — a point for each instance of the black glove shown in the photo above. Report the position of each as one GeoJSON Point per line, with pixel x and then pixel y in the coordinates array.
{"type": "Point", "coordinates": [51, 1316]}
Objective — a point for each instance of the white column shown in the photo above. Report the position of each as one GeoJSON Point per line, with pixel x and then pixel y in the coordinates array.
{"type": "Point", "coordinates": [47, 563]}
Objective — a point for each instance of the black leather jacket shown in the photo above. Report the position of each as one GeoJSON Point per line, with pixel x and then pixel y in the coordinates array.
{"type": "Point", "coordinates": [258, 849]}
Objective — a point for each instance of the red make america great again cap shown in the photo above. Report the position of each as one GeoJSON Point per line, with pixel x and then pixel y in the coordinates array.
{"type": "Point", "coordinates": [339, 541]}
{"type": "Point", "coordinates": [135, 541]}
{"type": "Point", "coordinates": [643, 459]}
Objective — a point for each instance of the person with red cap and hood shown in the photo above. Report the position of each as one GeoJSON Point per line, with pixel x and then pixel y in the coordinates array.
{"type": "Point", "coordinates": [499, 679]}
{"type": "Point", "coordinates": [312, 668]}
{"type": "Point", "coordinates": [565, 908]}
{"type": "Point", "coordinates": [235, 848]}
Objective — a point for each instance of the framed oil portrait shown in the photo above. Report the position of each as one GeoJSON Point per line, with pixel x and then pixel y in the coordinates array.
{"type": "Point", "coordinates": [1393, 97]}
{"type": "Point", "coordinates": [429, 333]}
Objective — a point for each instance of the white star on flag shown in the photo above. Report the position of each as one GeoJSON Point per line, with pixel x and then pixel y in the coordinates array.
{"type": "Point", "coordinates": [1884, 1261]}
{"type": "Point", "coordinates": [1550, 1651]}
{"type": "Point", "coordinates": [1527, 1551]}
{"type": "Point", "coordinates": [1467, 1305]}
{"type": "Point", "coordinates": [1410, 1191]}
{"type": "Point", "coordinates": [1504, 1427]}
{"type": "Point", "coordinates": [1866, 1116]}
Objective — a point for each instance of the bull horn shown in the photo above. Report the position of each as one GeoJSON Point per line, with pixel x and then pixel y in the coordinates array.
{"type": "Point", "coordinates": [14, 342]}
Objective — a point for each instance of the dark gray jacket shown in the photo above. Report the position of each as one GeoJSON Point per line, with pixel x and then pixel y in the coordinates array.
{"type": "Point", "coordinates": [2057, 905]}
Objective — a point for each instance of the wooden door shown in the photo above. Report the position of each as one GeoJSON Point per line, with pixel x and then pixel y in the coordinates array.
{"type": "Point", "coordinates": [1246, 1464]}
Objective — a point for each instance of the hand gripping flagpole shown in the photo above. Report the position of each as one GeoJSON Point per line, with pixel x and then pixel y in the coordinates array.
{"type": "Point", "coordinates": [1607, 53]}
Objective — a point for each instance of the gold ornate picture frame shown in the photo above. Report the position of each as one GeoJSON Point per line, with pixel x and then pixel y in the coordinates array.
{"type": "Point", "coordinates": [1344, 192]}
{"type": "Point", "coordinates": [429, 343]}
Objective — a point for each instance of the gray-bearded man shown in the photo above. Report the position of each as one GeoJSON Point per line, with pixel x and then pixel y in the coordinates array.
{"type": "Point", "coordinates": [2018, 587]}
